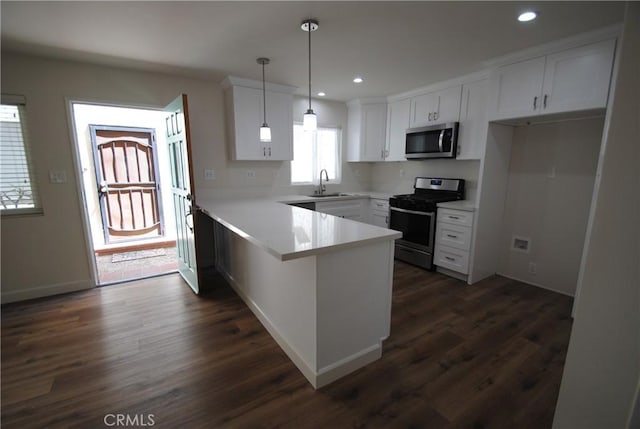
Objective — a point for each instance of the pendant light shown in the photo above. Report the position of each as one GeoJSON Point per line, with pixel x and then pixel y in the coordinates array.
{"type": "Point", "coordinates": [310, 122]}
{"type": "Point", "coordinates": [265, 131]}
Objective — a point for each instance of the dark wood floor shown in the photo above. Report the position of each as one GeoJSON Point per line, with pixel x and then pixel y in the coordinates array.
{"type": "Point", "coordinates": [483, 356]}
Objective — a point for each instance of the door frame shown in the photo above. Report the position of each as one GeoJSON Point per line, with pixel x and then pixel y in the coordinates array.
{"type": "Point", "coordinates": [152, 132]}
{"type": "Point", "coordinates": [77, 171]}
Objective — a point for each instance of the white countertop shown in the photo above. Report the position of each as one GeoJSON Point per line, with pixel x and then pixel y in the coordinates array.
{"type": "Point", "coordinates": [289, 232]}
{"type": "Point", "coordinates": [465, 205]}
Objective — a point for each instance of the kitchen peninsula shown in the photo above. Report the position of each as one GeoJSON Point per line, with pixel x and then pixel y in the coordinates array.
{"type": "Point", "coordinates": [320, 284]}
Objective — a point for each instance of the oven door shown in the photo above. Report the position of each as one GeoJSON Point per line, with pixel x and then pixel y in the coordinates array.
{"type": "Point", "coordinates": [418, 228]}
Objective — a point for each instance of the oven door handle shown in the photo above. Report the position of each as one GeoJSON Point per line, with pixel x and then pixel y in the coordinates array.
{"type": "Point", "coordinates": [430, 214]}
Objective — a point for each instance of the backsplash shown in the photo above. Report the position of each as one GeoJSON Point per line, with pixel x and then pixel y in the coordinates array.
{"type": "Point", "coordinates": [398, 177]}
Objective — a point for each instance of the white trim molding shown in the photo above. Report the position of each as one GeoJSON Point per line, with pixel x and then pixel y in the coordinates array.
{"type": "Point", "coordinates": [44, 291]}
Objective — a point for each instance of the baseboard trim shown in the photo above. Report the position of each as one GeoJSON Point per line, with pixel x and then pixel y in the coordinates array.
{"type": "Point", "coordinates": [535, 284]}
{"type": "Point", "coordinates": [325, 375]}
{"type": "Point", "coordinates": [44, 291]}
{"type": "Point", "coordinates": [347, 365]}
{"type": "Point", "coordinates": [454, 274]}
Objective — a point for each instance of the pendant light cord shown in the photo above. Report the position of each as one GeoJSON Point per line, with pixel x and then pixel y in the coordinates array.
{"type": "Point", "coordinates": [264, 96]}
{"type": "Point", "coordinates": [309, 24]}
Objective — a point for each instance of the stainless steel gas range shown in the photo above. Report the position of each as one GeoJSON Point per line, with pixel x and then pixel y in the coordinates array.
{"type": "Point", "coordinates": [415, 216]}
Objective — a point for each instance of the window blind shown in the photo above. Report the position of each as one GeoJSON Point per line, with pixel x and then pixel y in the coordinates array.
{"type": "Point", "coordinates": [18, 193]}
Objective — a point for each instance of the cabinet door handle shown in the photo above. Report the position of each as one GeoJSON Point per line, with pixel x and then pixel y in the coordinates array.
{"type": "Point", "coordinates": [449, 258]}
{"type": "Point", "coordinates": [269, 151]}
{"type": "Point", "coordinates": [430, 114]}
{"type": "Point", "coordinates": [454, 217]}
{"type": "Point", "coordinates": [386, 220]}
{"type": "Point", "coordinates": [452, 236]}
{"type": "Point", "coordinates": [535, 102]}
{"type": "Point", "coordinates": [264, 151]}
{"type": "Point", "coordinates": [435, 116]}
{"type": "Point", "coordinates": [544, 101]}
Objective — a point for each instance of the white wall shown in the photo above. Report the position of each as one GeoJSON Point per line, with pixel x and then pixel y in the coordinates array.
{"type": "Point", "coordinates": [32, 261]}
{"type": "Point", "coordinates": [549, 192]}
{"type": "Point", "coordinates": [603, 361]}
{"type": "Point", "coordinates": [398, 177]}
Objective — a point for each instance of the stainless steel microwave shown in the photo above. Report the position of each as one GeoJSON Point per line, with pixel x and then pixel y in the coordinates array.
{"type": "Point", "coordinates": [437, 141]}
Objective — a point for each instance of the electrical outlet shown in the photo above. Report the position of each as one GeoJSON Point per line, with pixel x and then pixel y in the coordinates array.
{"type": "Point", "coordinates": [401, 173]}
{"type": "Point", "coordinates": [58, 176]}
{"type": "Point", "coordinates": [532, 268]}
{"type": "Point", "coordinates": [209, 174]}
{"type": "Point", "coordinates": [251, 174]}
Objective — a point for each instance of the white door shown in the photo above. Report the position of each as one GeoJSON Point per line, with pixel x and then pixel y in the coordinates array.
{"type": "Point", "coordinates": [422, 109]}
{"type": "Point", "coordinates": [280, 119]}
{"type": "Point", "coordinates": [373, 132]}
{"type": "Point", "coordinates": [398, 114]}
{"type": "Point", "coordinates": [448, 105]}
{"type": "Point", "coordinates": [472, 134]}
{"type": "Point", "coordinates": [248, 106]}
{"type": "Point", "coordinates": [184, 204]}
{"type": "Point", "coordinates": [518, 89]}
{"type": "Point", "coordinates": [578, 79]}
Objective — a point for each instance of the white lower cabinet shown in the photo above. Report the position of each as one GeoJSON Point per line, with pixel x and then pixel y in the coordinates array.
{"type": "Point", "coordinates": [349, 209]}
{"type": "Point", "coordinates": [454, 230]}
{"type": "Point", "coordinates": [453, 235]}
{"type": "Point", "coordinates": [453, 259]}
{"type": "Point", "coordinates": [379, 212]}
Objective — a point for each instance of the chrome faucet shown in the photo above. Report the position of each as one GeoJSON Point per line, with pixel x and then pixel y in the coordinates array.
{"type": "Point", "coordinates": [322, 188]}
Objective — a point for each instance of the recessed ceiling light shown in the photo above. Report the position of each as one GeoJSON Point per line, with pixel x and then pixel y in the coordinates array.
{"type": "Point", "coordinates": [358, 79]}
{"type": "Point", "coordinates": [527, 16]}
{"type": "Point", "coordinates": [321, 94]}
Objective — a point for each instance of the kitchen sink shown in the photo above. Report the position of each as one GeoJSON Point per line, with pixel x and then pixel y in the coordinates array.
{"type": "Point", "coordinates": [333, 194]}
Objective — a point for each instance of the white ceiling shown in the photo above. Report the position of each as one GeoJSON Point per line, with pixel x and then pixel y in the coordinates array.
{"type": "Point", "coordinates": [395, 46]}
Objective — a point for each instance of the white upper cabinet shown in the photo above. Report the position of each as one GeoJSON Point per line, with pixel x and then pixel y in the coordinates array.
{"type": "Point", "coordinates": [398, 113]}
{"type": "Point", "coordinates": [244, 108]}
{"type": "Point", "coordinates": [517, 88]}
{"type": "Point", "coordinates": [570, 80]}
{"type": "Point", "coordinates": [436, 107]}
{"type": "Point", "coordinates": [472, 133]}
{"type": "Point", "coordinates": [579, 78]}
{"type": "Point", "coordinates": [367, 122]}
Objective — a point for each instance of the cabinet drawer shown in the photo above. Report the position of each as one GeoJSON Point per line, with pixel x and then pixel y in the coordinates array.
{"type": "Point", "coordinates": [453, 259]}
{"type": "Point", "coordinates": [456, 217]}
{"type": "Point", "coordinates": [451, 235]}
{"type": "Point", "coordinates": [326, 206]}
{"type": "Point", "coordinates": [381, 205]}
